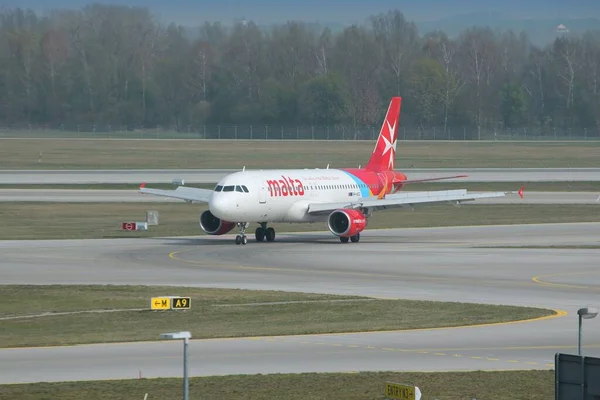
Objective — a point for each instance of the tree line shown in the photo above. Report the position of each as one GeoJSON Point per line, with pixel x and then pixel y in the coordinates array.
{"type": "Point", "coordinates": [117, 65]}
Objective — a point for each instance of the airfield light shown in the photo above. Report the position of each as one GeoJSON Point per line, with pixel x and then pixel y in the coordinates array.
{"type": "Point", "coordinates": [585, 313]}
{"type": "Point", "coordinates": [186, 340]}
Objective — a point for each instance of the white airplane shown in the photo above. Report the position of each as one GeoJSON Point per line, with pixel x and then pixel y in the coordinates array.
{"type": "Point", "coordinates": [344, 198]}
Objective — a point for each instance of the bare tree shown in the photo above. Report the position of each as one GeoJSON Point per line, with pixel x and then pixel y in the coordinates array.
{"type": "Point", "coordinates": [565, 54]}
{"type": "Point", "coordinates": [477, 49]}
{"type": "Point", "coordinates": [322, 51]}
{"type": "Point", "coordinates": [439, 47]}
{"type": "Point", "coordinates": [399, 40]}
{"type": "Point", "coordinates": [291, 50]}
{"type": "Point", "coordinates": [359, 60]}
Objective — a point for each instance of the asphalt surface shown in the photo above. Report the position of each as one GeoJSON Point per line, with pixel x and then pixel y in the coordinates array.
{"type": "Point", "coordinates": [133, 196]}
{"type": "Point", "coordinates": [134, 176]}
{"type": "Point", "coordinates": [467, 264]}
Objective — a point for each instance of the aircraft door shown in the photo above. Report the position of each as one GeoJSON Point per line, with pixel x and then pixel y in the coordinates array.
{"type": "Point", "coordinates": [262, 196]}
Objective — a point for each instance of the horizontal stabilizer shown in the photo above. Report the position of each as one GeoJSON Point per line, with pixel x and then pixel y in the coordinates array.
{"type": "Point", "coordinates": [430, 179]}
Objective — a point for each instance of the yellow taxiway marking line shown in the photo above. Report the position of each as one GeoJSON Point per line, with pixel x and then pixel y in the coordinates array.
{"type": "Point", "coordinates": [539, 279]}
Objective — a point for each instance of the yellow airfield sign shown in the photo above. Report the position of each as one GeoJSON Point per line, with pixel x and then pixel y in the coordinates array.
{"type": "Point", "coordinates": [170, 303]}
{"type": "Point", "coordinates": [160, 303]}
{"type": "Point", "coordinates": [402, 392]}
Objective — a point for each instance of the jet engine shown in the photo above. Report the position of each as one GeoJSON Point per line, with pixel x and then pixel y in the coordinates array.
{"type": "Point", "coordinates": [213, 225]}
{"type": "Point", "coordinates": [346, 222]}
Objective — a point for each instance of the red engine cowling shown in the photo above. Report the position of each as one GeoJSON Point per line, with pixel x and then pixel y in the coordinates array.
{"type": "Point", "coordinates": [346, 222]}
{"type": "Point", "coordinates": [213, 225]}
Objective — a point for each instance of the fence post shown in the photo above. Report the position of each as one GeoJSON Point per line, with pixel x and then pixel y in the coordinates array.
{"type": "Point", "coordinates": [235, 131]}
{"type": "Point", "coordinates": [297, 132]}
{"type": "Point", "coordinates": [266, 132]}
{"type": "Point", "coordinates": [312, 128]}
{"type": "Point", "coordinates": [250, 132]}
{"type": "Point", "coordinates": [327, 132]}
{"type": "Point", "coordinates": [584, 133]}
{"type": "Point", "coordinates": [219, 132]}
{"type": "Point", "coordinates": [281, 132]}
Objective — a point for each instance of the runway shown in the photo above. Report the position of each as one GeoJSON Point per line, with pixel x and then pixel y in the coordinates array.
{"type": "Point", "coordinates": [135, 177]}
{"type": "Point", "coordinates": [467, 264]}
{"type": "Point", "coordinates": [133, 196]}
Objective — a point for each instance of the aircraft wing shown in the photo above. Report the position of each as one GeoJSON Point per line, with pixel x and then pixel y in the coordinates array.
{"type": "Point", "coordinates": [189, 194]}
{"type": "Point", "coordinates": [406, 199]}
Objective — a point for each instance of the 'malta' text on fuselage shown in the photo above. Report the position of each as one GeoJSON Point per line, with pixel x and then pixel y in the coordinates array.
{"type": "Point", "coordinates": [285, 187]}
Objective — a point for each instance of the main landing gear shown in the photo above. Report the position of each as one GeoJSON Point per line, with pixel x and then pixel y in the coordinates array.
{"type": "Point", "coordinates": [353, 239]}
{"type": "Point", "coordinates": [262, 233]}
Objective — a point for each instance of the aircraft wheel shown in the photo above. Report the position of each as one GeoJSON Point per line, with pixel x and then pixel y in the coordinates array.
{"type": "Point", "coordinates": [238, 239]}
{"type": "Point", "coordinates": [355, 238]}
{"type": "Point", "coordinates": [259, 234]}
{"type": "Point", "coordinates": [244, 240]}
{"type": "Point", "coordinates": [344, 239]}
{"type": "Point", "coordinates": [270, 234]}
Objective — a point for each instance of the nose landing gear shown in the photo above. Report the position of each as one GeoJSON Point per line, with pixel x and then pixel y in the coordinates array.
{"type": "Point", "coordinates": [241, 238]}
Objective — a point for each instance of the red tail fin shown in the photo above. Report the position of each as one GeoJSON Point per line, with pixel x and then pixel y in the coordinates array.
{"type": "Point", "coordinates": [384, 153]}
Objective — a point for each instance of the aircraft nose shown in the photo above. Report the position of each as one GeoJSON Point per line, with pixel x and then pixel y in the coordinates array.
{"type": "Point", "coordinates": [218, 206]}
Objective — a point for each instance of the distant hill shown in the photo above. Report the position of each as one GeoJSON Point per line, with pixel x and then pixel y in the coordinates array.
{"type": "Point", "coordinates": [540, 31]}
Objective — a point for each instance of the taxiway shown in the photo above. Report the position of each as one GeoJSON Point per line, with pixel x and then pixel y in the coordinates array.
{"type": "Point", "coordinates": [466, 264]}
{"type": "Point", "coordinates": [136, 176]}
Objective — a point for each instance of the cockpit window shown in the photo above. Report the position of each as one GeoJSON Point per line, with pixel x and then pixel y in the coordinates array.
{"type": "Point", "coordinates": [228, 188]}
{"type": "Point", "coordinates": [218, 188]}
{"type": "Point", "coordinates": [238, 188]}
{"type": "Point", "coordinates": [245, 188]}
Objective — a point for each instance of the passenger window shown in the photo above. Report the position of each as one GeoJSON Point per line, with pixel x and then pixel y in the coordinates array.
{"type": "Point", "coordinates": [218, 188]}
{"type": "Point", "coordinates": [245, 189]}
{"type": "Point", "coordinates": [228, 188]}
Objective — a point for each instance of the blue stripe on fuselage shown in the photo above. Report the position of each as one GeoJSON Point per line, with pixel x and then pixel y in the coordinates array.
{"type": "Point", "coordinates": [364, 189]}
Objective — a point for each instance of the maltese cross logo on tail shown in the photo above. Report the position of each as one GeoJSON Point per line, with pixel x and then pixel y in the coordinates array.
{"type": "Point", "coordinates": [384, 152]}
{"type": "Point", "coordinates": [389, 145]}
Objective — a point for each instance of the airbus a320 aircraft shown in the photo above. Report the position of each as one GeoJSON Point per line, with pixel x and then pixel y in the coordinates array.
{"type": "Point", "coordinates": [344, 198]}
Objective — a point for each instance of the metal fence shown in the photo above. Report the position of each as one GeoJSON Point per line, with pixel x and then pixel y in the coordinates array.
{"type": "Point", "coordinates": [293, 132]}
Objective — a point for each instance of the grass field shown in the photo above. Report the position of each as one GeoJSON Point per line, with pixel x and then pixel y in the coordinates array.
{"type": "Point", "coordinates": [471, 186]}
{"type": "Point", "coordinates": [107, 154]}
{"type": "Point", "coordinates": [219, 313]}
{"type": "Point", "coordinates": [103, 220]}
{"type": "Point", "coordinates": [480, 385]}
